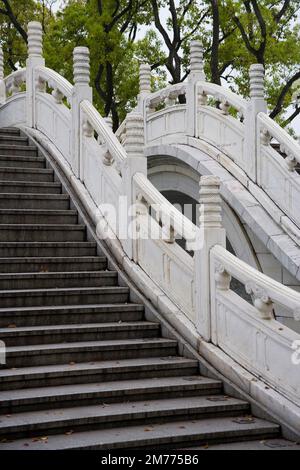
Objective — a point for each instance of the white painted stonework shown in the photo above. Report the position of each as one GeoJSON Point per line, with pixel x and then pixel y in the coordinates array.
{"type": "Point", "coordinates": [231, 147]}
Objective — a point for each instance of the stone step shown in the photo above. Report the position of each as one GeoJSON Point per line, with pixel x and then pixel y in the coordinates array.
{"type": "Point", "coordinates": [9, 131]}
{"type": "Point", "coordinates": [63, 296]}
{"type": "Point", "coordinates": [157, 436]}
{"type": "Point", "coordinates": [38, 216]}
{"type": "Point", "coordinates": [46, 265]}
{"type": "Point", "coordinates": [55, 376]}
{"type": "Point", "coordinates": [47, 249]}
{"type": "Point", "coordinates": [39, 355]}
{"type": "Point", "coordinates": [51, 280]}
{"type": "Point", "coordinates": [32, 187]}
{"type": "Point", "coordinates": [18, 150]}
{"type": "Point", "coordinates": [265, 444]}
{"type": "Point", "coordinates": [25, 336]}
{"type": "Point", "coordinates": [118, 390]}
{"type": "Point", "coordinates": [106, 416]}
{"type": "Point", "coordinates": [34, 201]}
{"type": "Point", "coordinates": [70, 314]}
{"type": "Point", "coordinates": [42, 233]}
{"type": "Point", "coordinates": [41, 175]}
{"type": "Point", "coordinates": [15, 140]}
{"type": "Point", "coordinates": [21, 162]}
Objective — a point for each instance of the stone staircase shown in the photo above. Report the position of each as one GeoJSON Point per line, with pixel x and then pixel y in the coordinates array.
{"type": "Point", "coordinates": [84, 369]}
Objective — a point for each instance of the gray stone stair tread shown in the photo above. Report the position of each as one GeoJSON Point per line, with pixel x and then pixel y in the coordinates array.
{"type": "Point", "coordinates": [108, 344]}
{"type": "Point", "coordinates": [145, 435]}
{"type": "Point", "coordinates": [59, 227]}
{"type": "Point", "coordinates": [105, 326]}
{"type": "Point", "coordinates": [39, 196]}
{"type": "Point", "coordinates": [64, 275]}
{"type": "Point", "coordinates": [15, 138]}
{"type": "Point", "coordinates": [53, 259]}
{"type": "Point", "coordinates": [121, 411]}
{"type": "Point", "coordinates": [265, 444]}
{"type": "Point", "coordinates": [114, 366]}
{"type": "Point", "coordinates": [25, 158]}
{"type": "Point", "coordinates": [129, 386]}
{"type": "Point", "coordinates": [9, 169]}
{"type": "Point", "coordinates": [38, 211]}
{"type": "Point", "coordinates": [123, 387]}
{"type": "Point", "coordinates": [26, 292]}
{"type": "Point", "coordinates": [17, 147]}
{"type": "Point", "coordinates": [47, 244]}
{"type": "Point", "coordinates": [65, 308]}
{"type": "Point", "coordinates": [30, 183]}
{"type": "Point", "coordinates": [10, 130]}
{"type": "Point", "coordinates": [59, 274]}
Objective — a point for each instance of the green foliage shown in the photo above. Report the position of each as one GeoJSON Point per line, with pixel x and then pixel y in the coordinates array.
{"type": "Point", "coordinates": [121, 34]}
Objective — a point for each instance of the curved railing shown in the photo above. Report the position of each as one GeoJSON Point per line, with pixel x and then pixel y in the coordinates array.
{"type": "Point", "coordinates": [236, 128]}
{"type": "Point", "coordinates": [61, 87]}
{"type": "Point", "coordinates": [14, 82]}
{"type": "Point", "coordinates": [143, 236]}
{"type": "Point", "coordinates": [166, 97]}
{"type": "Point", "coordinates": [105, 136]}
{"type": "Point", "coordinates": [225, 98]}
{"type": "Point", "coordinates": [278, 159]}
{"type": "Point", "coordinates": [249, 334]}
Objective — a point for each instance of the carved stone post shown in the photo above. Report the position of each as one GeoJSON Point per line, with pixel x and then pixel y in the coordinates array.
{"type": "Point", "coordinates": [256, 105]}
{"type": "Point", "coordinates": [145, 90]}
{"type": "Point", "coordinates": [35, 59]}
{"type": "Point", "coordinates": [82, 91]}
{"type": "Point", "coordinates": [2, 84]}
{"type": "Point", "coordinates": [211, 233]}
{"type": "Point", "coordinates": [196, 74]}
{"type": "Point", "coordinates": [135, 162]}
{"type": "Point", "coordinates": [145, 86]}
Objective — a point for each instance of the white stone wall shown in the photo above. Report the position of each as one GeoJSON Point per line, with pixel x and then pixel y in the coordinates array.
{"type": "Point", "coordinates": [168, 176]}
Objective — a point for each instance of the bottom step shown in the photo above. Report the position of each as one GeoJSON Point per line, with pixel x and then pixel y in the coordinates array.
{"type": "Point", "coordinates": [265, 444]}
{"type": "Point", "coordinates": [158, 436]}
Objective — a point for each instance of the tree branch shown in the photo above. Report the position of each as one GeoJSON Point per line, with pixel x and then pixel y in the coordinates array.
{"type": "Point", "coordinates": [9, 12]}
{"type": "Point", "coordinates": [279, 105]}
{"type": "Point", "coordinates": [291, 117]}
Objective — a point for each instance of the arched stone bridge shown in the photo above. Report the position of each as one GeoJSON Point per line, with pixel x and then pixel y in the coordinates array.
{"type": "Point", "coordinates": [233, 305]}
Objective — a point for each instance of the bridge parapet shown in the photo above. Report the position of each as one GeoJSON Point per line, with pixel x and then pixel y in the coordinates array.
{"type": "Point", "coordinates": [238, 129]}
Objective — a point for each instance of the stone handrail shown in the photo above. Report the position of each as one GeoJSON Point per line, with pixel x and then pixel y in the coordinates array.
{"type": "Point", "coordinates": [266, 291]}
{"type": "Point", "coordinates": [62, 88]}
{"type": "Point", "coordinates": [249, 334]}
{"type": "Point", "coordinates": [14, 81]}
{"type": "Point", "coordinates": [225, 97]}
{"type": "Point", "coordinates": [98, 124]}
{"type": "Point", "coordinates": [269, 130]}
{"type": "Point", "coordinates": [121, 132]}
{"type": "Point", "coordinates": [166, 212]}
{"type": "Point", "coordinates": [166, 96]}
